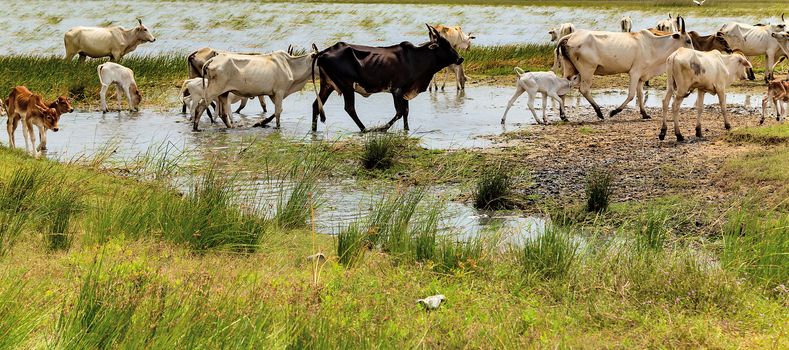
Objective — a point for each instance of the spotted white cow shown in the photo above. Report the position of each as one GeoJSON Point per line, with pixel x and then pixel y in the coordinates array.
{"type": "Point", "coordinates": [707, 72]}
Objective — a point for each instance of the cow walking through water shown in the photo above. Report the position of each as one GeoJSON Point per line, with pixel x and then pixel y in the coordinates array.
{"type": "Point", "coordinates": [404, 70]}
{"type": "Point", "coordinates": [29, 108]}
{"type": "Point", "coordinates": [112, 42]}
{"type": "Point", "coordinates": [641, 54]}
{"type": "Point", "coordinates": [707, 72]}
{"type": "Point", "coordinates": [460, 42]}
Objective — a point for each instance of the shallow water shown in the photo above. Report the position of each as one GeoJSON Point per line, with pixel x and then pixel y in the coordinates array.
{"type": "Point", "coordinates": [442, 120]}
{"type": "Point", "coordinates": [38, 27]}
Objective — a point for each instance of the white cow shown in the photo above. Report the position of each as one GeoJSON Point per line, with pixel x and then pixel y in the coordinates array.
{"type": "Point", "coordinates": [111, 73]}
{"type": "Point", "coordinates": [563, 30]}
{"type": "Point", "coordinates": [460, 42]}
{"type": "Point", "coordinates": [641, 54]}
{"type": "Point", "coordinates": [192, 92]}
{"type": "Point", "coordinates": [114, 42]}
{"type": "Point", "coordinates": [708, 72]}
{"type": "Point", "coordinates": [669, 24]}
{"type": "Point", "coordinates": [276, 75]}
{"type": "Point", "coordinates": [626, 24]}
{"type": "Point", "coordinates": [545, 83]}
{"type": "Point", "coordinates": [756, 41]}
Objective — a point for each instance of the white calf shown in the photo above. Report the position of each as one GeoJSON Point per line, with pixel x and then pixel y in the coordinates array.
{"type": "Point", "coordinates": [546, 83]}
{"type": "Point", "coordinates": [123, 78]}
{"type": "Point", "coordinates": [563, 30]}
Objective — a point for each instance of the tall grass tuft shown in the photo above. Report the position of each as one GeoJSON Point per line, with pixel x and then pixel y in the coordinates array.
{"type": "Point", "coordinates": [206, 217]}
{"type": "Point", "coordinates": [350, 245]}
{"type": "Point", "coordinates": [19, 200]}
{"type": "Point", "coordinates": [494, 189]}
{"type": "Point", "coordinates": [57, 212]}
{"type": "Point", "coordinates": [11, 225]}
{"type": "Point", "coordinates": [458, 255]}
{"type": "Point", "coordinates": [654, 229]}
{"type": "Point", "coordinates": [757, 246]}
{"type": "Point", "coordinates": [380, 149]}
{"type": "Point", "coordinates": [299, 192]}
{"type": "Point", "coordinates": [425, 233]}
{"type": "Point", "coordinates": [598, 190]}
{"type": "Point", "coordinates": [17, 321]}
{"type": "Point", "coordinates": [103, 311]}
{"type": "Point", "coordinates": [549, 255]}
{"type": "Point", "coordinates": [131, 215]}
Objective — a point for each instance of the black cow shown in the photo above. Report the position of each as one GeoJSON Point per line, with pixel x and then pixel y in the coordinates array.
{"type": "Point", "coordinates": [404, 70]}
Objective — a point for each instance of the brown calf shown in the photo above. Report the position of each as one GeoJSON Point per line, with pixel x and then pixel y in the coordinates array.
{"type": "Point", "coordinates": [778, 95]}
{"type": "Point", "coordinates": [30, 108]}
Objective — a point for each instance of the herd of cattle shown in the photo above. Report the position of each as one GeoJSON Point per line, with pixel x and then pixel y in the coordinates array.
{"type": "Point", "coordinates": [708, 64]}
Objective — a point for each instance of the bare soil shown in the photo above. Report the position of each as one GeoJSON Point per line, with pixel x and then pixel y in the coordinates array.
{"type": "Point", "coordinates": [560, 155]}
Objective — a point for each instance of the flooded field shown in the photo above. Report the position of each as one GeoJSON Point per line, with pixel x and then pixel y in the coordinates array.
{"type": "Point", "coordinates": [443, 120]}
{"type": "Point", "coordinates": [183, 26]}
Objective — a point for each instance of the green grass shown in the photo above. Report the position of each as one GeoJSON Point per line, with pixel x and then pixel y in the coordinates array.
{"type": "Point", "coordinates": [772, 134]}
{"type": "Point", "coordinates": [494, 189]}
{"type": "Point", "coordinates": [599, 187]}
{"type": "Point", "coordinates": [549, 255]}
{"type": "Point", "coordinates": [380, 150]}
{"type": "Point", "coordinates": [757, 246]}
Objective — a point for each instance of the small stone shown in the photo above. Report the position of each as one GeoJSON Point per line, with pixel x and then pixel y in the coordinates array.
{"type": "Point", "coordinates": [317, 256]}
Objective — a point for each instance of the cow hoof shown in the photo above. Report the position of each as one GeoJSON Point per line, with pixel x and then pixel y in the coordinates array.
{"type": "Point", "coordinates": [644, 115]}
{"type": "Point", "coordinates": [662, 134]}
{"type": "Point", "coordinates": [680, 138]}
{"type": "Point", "coordinates": [196, 130]}
{"type": "Point", "coordinates": [614, 112]}
{"type": "Point", "coordinates": [698, 132]}
{"type": "Point", "coordinates": [727, 126]}
{"type": "Point", "coordinates": [761, 121]}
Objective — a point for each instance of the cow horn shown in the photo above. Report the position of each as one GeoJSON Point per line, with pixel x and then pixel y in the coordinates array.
{"type": "Point", "coordinates": [139, 21]}
{"type": "Point", "coordinates": [431, 31]}
{"type": "Point", "coordinates": [315, 47]}
{"type": "Point", "coordinates": [682, 24]}
{"type": "Point", "coordinates": [669, 15]}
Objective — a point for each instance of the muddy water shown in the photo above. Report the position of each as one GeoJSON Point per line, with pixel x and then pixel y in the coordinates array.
{"type": "Point", "coordinates": [38, 27]}
{"type": "Point", "coordinates": [442, 120]}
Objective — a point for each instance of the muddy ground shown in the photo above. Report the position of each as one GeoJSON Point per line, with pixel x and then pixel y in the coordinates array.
{"type": "Point", "coordinates": [560, 155]}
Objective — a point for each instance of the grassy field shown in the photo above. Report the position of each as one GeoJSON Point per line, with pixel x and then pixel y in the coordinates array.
{"type": "Point", "coordinates": [124, 260]}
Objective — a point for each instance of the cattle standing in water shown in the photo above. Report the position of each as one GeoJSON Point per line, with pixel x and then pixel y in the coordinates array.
{"type": "Point", "coordinates": [403, 70]}
{"type": "Point", "coordinates": [197, 59]}
{"type": "Point", "coordinates": [112, 42]}
{"type": "Point", "coordinates": [641, 54]}
{"type": "Point", "coordinates": [545, 83]}
{"type": "Point", "coordinates": [123, 78]}
{"type": "Point", "coordinates": [626, 24]}
{"type": "Point", "coordinates": [708, 72]}
{"type": "Point", "coordinates": [30, 108]}
{"type": "Point", "coordinates": [756, 41]}
{"type": "Point", "coordinates": [778, 96]}
{"type": "Point", "coordinates": [460, 42]}
{"type": "Point", "coordinates": [276, 75]}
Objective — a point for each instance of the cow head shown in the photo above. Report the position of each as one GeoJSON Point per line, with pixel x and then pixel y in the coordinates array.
{"type": "Point", "coordinates": [62, 105]}
{"type": "Point", "coordinates": [465, 39]}
{"type": "Point", "coordinates": [683, 37]}
{"type": "Point", "coordinates": [553, 34]}
{"type": "Point", "coordinates": [50, 118]}
{"type": "Point", "coordinates": [739, 64]}
{"type": "Point", "coordinates": [136, 97]}
{"type": "Point", "coordinates": [443, 50]}
{"type": "Point", "coordinates": [142, 33]}
{"type": "Point", "coordinates": [719, 43]}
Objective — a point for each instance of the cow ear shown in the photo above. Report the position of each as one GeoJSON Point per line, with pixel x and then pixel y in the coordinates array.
{"type": "Point", "coordinates": [139, 21]}
{"type": "Point", "coordinates": [675, 36]}
{"type": "Point", "coordinates": [314, 47]}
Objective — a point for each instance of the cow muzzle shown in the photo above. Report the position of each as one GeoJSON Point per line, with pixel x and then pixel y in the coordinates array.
{"type": "Point", "coordinates": [459, 61]}
{"type": "Point", "coordinates": [55, 129]}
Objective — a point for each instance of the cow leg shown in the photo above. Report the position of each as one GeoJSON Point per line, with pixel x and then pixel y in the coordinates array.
{"type": "Point", "coordinates": [460, 75]}
{"type": "Point", "coordinates": [323, 96]}
{"type": "Point", "coordinates": [27, 127]}
{"type": "Point", "coordinates": [42, 135]}
{"type": "Point", "coordinates": [530, 103]}
{"type": "Point", "coordinates": [118, 91]}
{"type": "Point", "coordinates": [765, 101]}
{"type": "Point", "coordinates": [277, 99]}
{"type": "Point", "coordinates": [197, 112]}
{"type": "Point", "coordinates": [675, 114]}
{"type": "Point", "coordinates": [634, 81]}
{"type": "Point", "coordinates": [585, 88]}
{"type": "Point", "coordinates": [224, 106]}
{"type": "Point", "coordinates": [544, 108]}
{"type": "Point", "coordinates": [103, 97]}
{"type": "Point", "coordinates": [699, 109]}
{"type": "Point", "coordinates": [768, 70]}
{"type": "Point", "coordinates": [402, 104]}
{"type": "Point", "coordinates": [262, 101]}
{"type": "Point", "coordinates": [446, 77]}
{"type": "Point", "coordinates": [640, 99]}
{"type": "Point", "coordinates": [560, 101]}
{"type": "Point", "coordinates": [243, 104]}
{"type": "Point", "coordinates": [519, 90]}
{"type": "Point", "coordinates": [127, 90]}
{"type": "Point", "coordinates": [350, 108]}
{"type": "Point", "coordinates": [722, 99]}
{"type": "Point", "coordinates": [11, 126]}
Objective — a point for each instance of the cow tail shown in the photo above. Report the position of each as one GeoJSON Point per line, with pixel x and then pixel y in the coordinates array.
{"type": "Point", "coordinates": [670, 82]}
{"type": "Point", "coordinates": [314, 87]}
{"type": "Point", "coordinates": [519, 71]}
{"type": "Point", "coordinates": [184, 91]}
{"type": "Point", "coordinates": [561, 52]}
